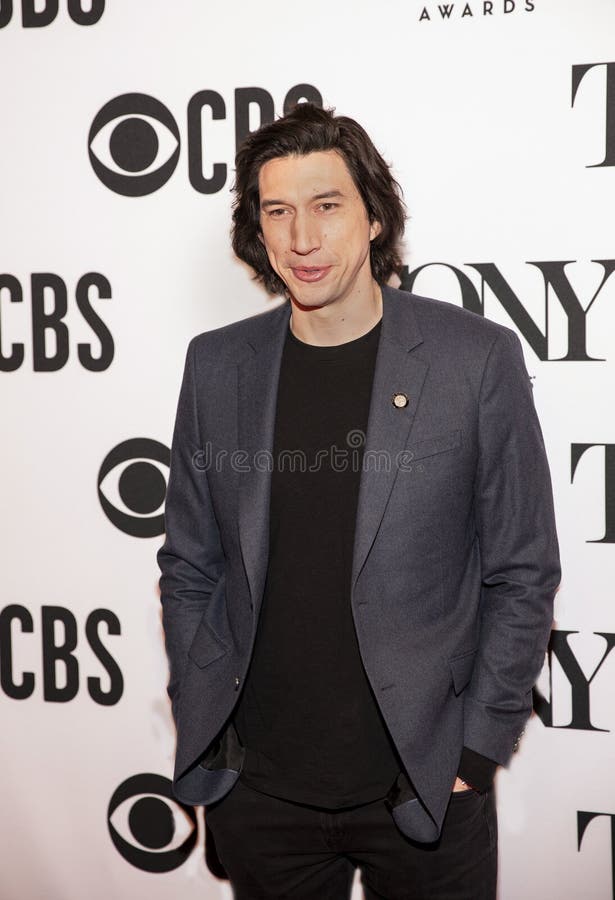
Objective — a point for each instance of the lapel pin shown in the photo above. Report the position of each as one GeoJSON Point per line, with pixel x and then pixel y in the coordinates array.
{"type": "Point", "coordinates": [400, 400]}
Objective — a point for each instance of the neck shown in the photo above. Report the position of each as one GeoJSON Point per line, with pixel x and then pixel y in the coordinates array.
{"type": "Point", "coordinates": [337, 322]}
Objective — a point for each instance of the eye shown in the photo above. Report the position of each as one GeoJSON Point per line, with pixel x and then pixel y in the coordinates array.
{"type": "Point", "coordinates": [132, 484]}
{"type": "Point", "coordinates": [134, 144]}
{"type": "Point", "coordinates": [149, 828]}
{"type": "Point", "coordinates": [328, 206]}
{"type": "Point", "coordinates": [277, 213]}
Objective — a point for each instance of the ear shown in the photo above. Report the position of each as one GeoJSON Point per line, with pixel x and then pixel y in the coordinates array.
{"type": "Point", "coordinates": [260, 237]}
{"type": "Point", "coordinates": [374, 229]}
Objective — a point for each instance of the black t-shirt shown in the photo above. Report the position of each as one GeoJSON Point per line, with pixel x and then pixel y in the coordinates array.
{"type": "Point", "coordinates": [307, 716]}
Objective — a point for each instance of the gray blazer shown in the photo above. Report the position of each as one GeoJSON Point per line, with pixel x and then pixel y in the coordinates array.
{"type": "Point", "coordinates": [455, 560]}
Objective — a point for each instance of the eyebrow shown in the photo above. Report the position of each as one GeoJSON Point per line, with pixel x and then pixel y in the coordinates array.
{"type": "Point", "coordinates": [325, 195]}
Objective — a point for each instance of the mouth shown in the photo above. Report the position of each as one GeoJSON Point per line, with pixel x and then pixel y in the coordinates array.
{"type": "Point", "coordinates": [310, 273]}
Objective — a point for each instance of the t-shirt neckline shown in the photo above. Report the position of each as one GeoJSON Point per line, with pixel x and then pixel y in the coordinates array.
{"type": "Point", "coordinates": [334, 351]}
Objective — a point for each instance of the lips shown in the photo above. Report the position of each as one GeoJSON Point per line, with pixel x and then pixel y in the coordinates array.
{"type": "Point", "coordinates": [311, 273]}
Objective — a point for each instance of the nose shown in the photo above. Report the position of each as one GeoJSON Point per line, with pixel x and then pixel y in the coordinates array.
{"type": "Point", "coordinates": [304, 234]}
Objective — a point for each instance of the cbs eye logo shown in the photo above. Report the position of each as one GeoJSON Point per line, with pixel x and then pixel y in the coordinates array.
{"type": "Point", "coordinates": [134, 144]}
{"type": "Point", "coordinates": [149, 828]}
{"type": "Point", "coordinates": [132, 486]}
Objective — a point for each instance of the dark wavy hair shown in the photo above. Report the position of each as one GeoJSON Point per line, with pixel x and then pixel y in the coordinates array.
{"type": "Point", "coordinates": [306, 129]}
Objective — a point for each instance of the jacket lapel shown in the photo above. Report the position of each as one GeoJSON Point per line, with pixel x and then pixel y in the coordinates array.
{"type": "Point", "coordinates": [396, 371]}
{"type": "Point", "coordinates": [257, 390]}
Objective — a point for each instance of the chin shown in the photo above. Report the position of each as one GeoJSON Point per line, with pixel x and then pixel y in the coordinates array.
{"type": "Point", "coordinates": [314, 295]}
{"type": "Point", "coordinates": [310, 300]}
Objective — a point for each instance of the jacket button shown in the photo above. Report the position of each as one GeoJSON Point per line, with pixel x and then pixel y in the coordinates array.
{"type": "Point", "coordinates": [237, 680]}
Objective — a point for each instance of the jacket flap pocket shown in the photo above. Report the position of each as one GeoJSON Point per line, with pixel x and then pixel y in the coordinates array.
{"type": "Point", "coordinates": [437, 444]}
{"type": "Point", "coordinates": [461, 670]}
{"type": "Point", "coordinates": [205, 646]}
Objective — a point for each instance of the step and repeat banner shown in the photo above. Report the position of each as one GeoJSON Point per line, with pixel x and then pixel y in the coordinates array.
{"type": "Point", "coordinates": [119, 125]}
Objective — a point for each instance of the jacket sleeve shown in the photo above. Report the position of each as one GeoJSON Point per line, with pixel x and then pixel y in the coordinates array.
{"type": "Point", "coordinates": [519, 552]}
{"type": "Point", "coordinates": [191, 560]}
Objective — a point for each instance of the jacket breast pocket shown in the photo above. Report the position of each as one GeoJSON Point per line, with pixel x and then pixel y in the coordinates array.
{"type": "Point", "coordinates": [439, 443]}
{"type": "Point", "coordinates": [461, 670]}
{"type": "Point", "coordinates": [206, 646]}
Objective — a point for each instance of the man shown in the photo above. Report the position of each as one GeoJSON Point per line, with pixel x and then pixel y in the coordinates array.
{"type": "Point", "coordinates": [361, 555]}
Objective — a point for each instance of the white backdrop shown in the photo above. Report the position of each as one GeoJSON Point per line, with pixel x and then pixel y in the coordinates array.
{"type": "Point", "coordinates": [472, 104]}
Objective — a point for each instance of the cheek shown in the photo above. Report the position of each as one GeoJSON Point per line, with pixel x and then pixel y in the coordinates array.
{"type": "Point", "coordinates": [271, 247]}
{"type": "Point", "coordinates": [273, 256]}
{"type": "Point", "coordinates": [346, 234]}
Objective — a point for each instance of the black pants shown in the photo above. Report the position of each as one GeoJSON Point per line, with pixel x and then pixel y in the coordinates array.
{"type": "Point", "coordinates": [274, 848]}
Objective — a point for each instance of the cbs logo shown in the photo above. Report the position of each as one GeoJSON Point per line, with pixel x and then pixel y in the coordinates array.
{"type": "Point", "coordinates": [134, 141]}
{"type": "Point", "coordinates": [48, 301]}
{"type": "Point", "coordinates": [132, 483]}
{"type": "Point", "coordinates": [62, 662]}
{"type": "Point", "coordinates": [149, 828]}
{"type": "Point", "coordinates": [43, 12]}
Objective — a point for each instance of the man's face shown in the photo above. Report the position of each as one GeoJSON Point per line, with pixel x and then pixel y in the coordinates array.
{"type": "Point", "coordinates": [315, 227]}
